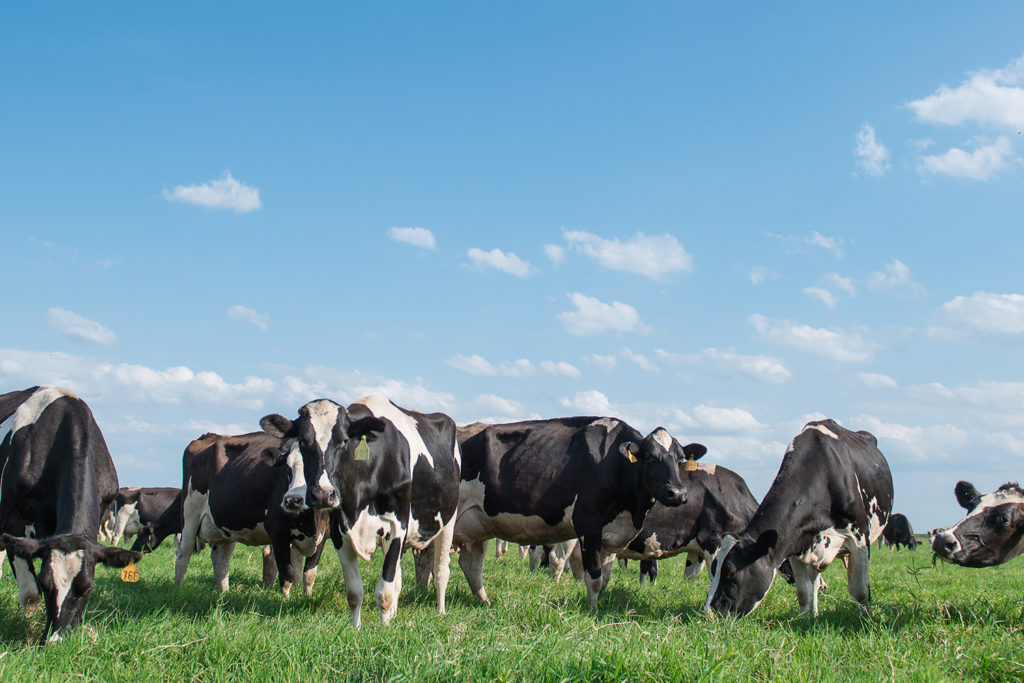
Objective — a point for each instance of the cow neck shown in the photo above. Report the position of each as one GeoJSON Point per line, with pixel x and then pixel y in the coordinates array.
{"type": "Point", "coordinates": [78, 506]}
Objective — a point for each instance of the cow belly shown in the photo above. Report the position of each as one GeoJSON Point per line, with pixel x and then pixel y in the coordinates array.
{"type": "Point", "coordinates": [474, 524]}
{"type": "Point", "coordinates": [619, 532]}
{"type": "Point", "coordinates": [414, 538]}
{"type": "Point", "coordinates": [197, 505]}
{"type": "Point", "coordinates": [826, 546]}
{"type": "Point", "coordinates": [370, 529]}
{"type": "Point", "coordinates": [654, 550]}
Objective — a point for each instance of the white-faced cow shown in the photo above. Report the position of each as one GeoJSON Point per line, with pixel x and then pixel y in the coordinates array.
{"type": "Point", "coordinates": [832, 496]}
{"type": "Point", "coordinates": [545, 481]}
{"type": "Point", "coordinates": [232, 491]}
{"type": "Point", "coordinates": [898, 532]}
{"type": "Point", "coordinates": [391, 478]}
{"type": "Point", "coordinates": [56, 478]}
{"type": "Point", "coordinates": [135, 507]}
{"type": "Point", "coordinates": [992, 532]}
{"type": "Point", "coordinates": [718, 503]}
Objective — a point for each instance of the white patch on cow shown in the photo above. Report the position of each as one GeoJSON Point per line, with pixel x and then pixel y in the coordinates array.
{"type": "Point", "coordinates": [323, 415]}
{"type": "Point", "coordinates": [473, 524]}
{"type": "Point", "coordinates": [825, 546]}
{"type": "Point", "coordinates": [126, 522]}
{"type": "Point", "coordinates": [28, 591]}
{"type": "Point", "coordinates": [619, 532]}
{"type": "Point", "coordinates": [728, 541]}
{"type": "Point", "coordinates": [988, 501]}
{"type": "Point", "coordinates": [662, 438]}
{"type": "Point", "coordinates": [875, 525]}
{"type": "Point", "coordinates": [608, 423]}
{"type": "Point", "coordinates": [369, 529]}
{"type": "Point", "coordinates": [324, 481]}
{"type": "Point", "coordinates": [65, 567]}
{"type": "Point", "coordinates": [710, 469]}
{"type": "Point", "coordinates": [405, 424]}
{"type": "Point", "coordinates": [297, 485]}
{"type": "Point", "coordinates": [823, 429]}
{"type": "Point", "coordinates": [55, 637]}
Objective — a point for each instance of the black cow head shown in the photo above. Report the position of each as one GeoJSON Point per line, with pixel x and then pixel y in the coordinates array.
{"type": "Point", "coordinates": [659, 455]}
{"type": "Point", "coordinates": [742, 573]}
{"type": "Point", "coordinates": [65, 575]}
{"type": "Point", "coordinates": [992, 532]}
{"type": "Point", "coordinates": [326, 437]}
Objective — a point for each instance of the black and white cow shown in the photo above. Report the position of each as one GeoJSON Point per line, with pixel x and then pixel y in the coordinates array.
{"type": "Point", "coordinates": [155, 530]}
{"type": "Point", "coordinates": [545, 481]}
{"type": "Point", "coordinates": [831, 496]}
{"type": "Point", "coordinates": [898, 532]}
{"type": "Point", "coordinates": [992, 532]}
{"type": "Point", "coordinates": [135, 507]}
{"type": "Point", "coordinates": [232, 492]}
{"type": "Point", "coordinates": [391, 478]}
{"type": "Point", "coordinates": [56, 479]}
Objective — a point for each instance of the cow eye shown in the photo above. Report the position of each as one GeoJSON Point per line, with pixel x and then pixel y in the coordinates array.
{"type": "Point", "coordinates": [1003, 520]}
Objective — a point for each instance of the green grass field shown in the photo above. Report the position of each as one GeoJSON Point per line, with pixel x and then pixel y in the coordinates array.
{"type": "Point", "coordinates": [928, 623]}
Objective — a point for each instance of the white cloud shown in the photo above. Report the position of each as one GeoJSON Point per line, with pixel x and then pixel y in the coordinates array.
{"type": "Point", "coordinates": [224, 193]}
{"type": "Point", "coordinates": [260, 320]}
{"type": "Point", "coordinates": [876, 381]}
{"type": "Point", "coordinates": [843, 283]}
{"type": "Point", "coordinates": [654, 256]}
{"type": "Point", "coordinates": [728, 420]}
{"type": "Point", "coordinates": [594, 317]}
{"type": "Point", "coordinates": [608, 362]}
{"type": "Point", "coordinates": [872, 155]}
{"type": "Point", "coordinates": [638, 359]}
{"type": "Point", "coordinates": [991, 97]}
{"type": "Point", "coordinates": [896, 275]}
{"type": "Point", "coordinates": [478, 365]}
{"type": "Point", "coordinates": [559, 368]}
{"type": "Point", "coordinates": [760, 274]}
{"type": "Point", "coordinates": [493, 409]}
{"type": "Point", "coordinates": [591, 402]}
{"type": "Point", "coordinates": [418, 237]}
{"type": "Point", "coordinates": [829, 244]}
{"type": "Point", "coordinates": [982, 312]}
{"type": "Point", "coordinates": [981, 164]}
{"type": "Point", "coordinates": [555, 253]}
{"type": "Point", "coordinates": [74, 326]}
{"type": "Point", "coordinates": [760, 368]}
{"type": "Point", "coordinates": [926, 444]}
{"type": "Point", "coordinates": [823, 295]}
{"type": "Point", "coordinates": [499, 260]}
{"type": "Point", "coordinates": [841, 346]}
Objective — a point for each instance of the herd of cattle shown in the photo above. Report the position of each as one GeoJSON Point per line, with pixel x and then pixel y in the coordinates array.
{"type": "Point", "coordinates": [373, 475]}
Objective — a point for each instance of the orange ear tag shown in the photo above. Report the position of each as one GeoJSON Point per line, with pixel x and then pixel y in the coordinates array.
{"type": "Point", "coordinates": [363, 449]}
{"type": "Point", "coordinates": [130, 574]}
{"type": "Point", "coordinates": [690, 465]}
{"type": "Point", "coordinates": [630, 456]}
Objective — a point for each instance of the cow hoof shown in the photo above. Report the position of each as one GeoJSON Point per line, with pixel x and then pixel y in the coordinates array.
{"type": "Point", "coordinates": [30, 605]}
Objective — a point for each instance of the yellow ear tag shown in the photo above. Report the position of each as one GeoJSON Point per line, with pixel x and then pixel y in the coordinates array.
{"type": "Point", "coordinates": [363, 449]}
{"type": "Point", "coordinates": [630, 456]}
{"type": "Point", "coordinates": [690, 465]}
{"type": "Point", "coordinates": [130, 574]}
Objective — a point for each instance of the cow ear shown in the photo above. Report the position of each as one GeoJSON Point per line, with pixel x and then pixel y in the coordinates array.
{"type": "Point", "coordinates": [967, 495]}
{"type": "Point", "coordinates": [277, 425]}
{"type": "Point", "coordinates": [694, 451]}
{"type": "Point", "coordinates": [112, 556]}
{"type": "Point", "coordinates": [365, 426]}
{"type": "Point", "coordinates": [25, 548]}
{"type": "Point", "coordinates": [630, 450]}
{"type": "Point", "coordinates": [766, 541]}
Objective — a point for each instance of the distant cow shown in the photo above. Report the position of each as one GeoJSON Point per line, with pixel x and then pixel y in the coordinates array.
{"type": "Point", "coordinates": [544, 481]}
{"type": "Point", "coordinates": [391, 478]}
{"type": "Point", "coordinates": [232, 492]}
{"type": "Point", "coordinates": [135, 506]}
{"type": "Point", "coordinates": [56, 479]}
{"type": "Point", "coordinates": [992, 532]}
{"type": "Point", "coordinates": [832, 496]}
{"type": "Point", "coordinates": [898, 532]}
{"type": "Point", "coordinates": [156, 529]}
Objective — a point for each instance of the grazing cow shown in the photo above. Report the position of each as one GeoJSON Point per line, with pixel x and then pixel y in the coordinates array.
{"type": "Point", "coordinates": [992, 532]}
{"type": "Point", "coordinates": [136, 507]}
{"type": "Point", "coordinates": [832, 496]}
{"type": "Point", "coordinates": [390, 477]}
{"type": "Point", "coordinates": [718, 502]}
{"type": "Point", "coordinates": [544, 481]}
{"type": "Point", "coordinates": [56, 479]}
{"type": "Point", "coordinates": [168, 522]}
{"type": "Point", "coordinates": [898, 532]}
{"type": "Point", "coordinates": [233, 491]}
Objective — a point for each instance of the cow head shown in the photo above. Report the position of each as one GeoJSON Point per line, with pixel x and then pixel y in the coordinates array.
{"type": "Point", "coordinates": [659, 456]}
{"type": "Point", "coordinates": [65, 575]}
{"type": "Point", "coordinates": [741, 573]}
{"type": "Point", "coordinates": [323, 439]}
{"type": "Point", "coordinates": [992, 532]}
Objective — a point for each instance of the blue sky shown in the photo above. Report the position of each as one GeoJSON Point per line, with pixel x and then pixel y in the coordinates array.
{"type": "Point", "coordinates": [725, 220]}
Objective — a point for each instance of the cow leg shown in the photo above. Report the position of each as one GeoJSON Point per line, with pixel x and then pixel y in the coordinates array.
{"type": "Point", "coordinates": [559, 555]}
{"type": "Point", "coordinates": [353, 580]}
{"type": "Point", "coordinates": [471, 560]}
{"type": "Point", "coordinates": [309, 570]}
{"type": "Point", "coordinates": [442, 560]}
{"type": "Point", "coordinates": [524, 551]}
{"type": "Point", "coordinates": [623, 563]}
{"type": "Point", "coordinates": [535, 554]}
{"type": "Point", "coordinates": [389, 585]}
{"type": "Point", "coordinates": [28, 591]}
{"type": "Point", "coordinates": [269, 566]}
{"type": "Point", "coordinates": [649, 569]}
{"type": "Point", "coordinates": [423, 561]}
{"type": "Point", "coordinates": [281, 550]}
{"type": "Point", "coordinates": [576, 562]}
{"type": "Point", "coordinates": [694, 563]}
{"type": "Point", "coordinates": [3, 556]}
{"type": "Point", "coordinates": [594, 562]}
{"type": "Point", "coordinates": [294, 569]}
{"type": "Point", "coordinates": [806, 580]}
{"type": "Point", "coordinates": [500, 548]}
{"type": "Point", "coordinates": [221, 557]}
{"type": "Point", "coordinates": [187, 542]}
{"type": "Point", "coordinates": [857, 576]}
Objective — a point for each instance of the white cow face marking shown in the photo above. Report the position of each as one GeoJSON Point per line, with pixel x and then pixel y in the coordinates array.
{"type": "Point", "coordinates": [295, 498]}
{"type": "Point", "coordinates": [992, 533]}
{"type": "Point", "coordinates": [65, 568]}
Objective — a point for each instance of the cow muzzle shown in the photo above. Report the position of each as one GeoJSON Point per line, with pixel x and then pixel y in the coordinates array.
{"type": "Point", "coordinates": [675, 495]}
{"type": "Point", "coordinates": [323, 497]}
{"type": "Point", "coordinates": [945, 545]}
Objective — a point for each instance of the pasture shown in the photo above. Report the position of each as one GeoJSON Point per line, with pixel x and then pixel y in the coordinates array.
{"type": "Point", "coordinates": [928, 623]}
